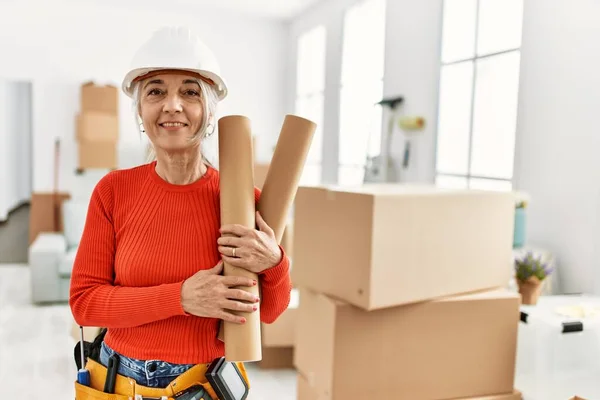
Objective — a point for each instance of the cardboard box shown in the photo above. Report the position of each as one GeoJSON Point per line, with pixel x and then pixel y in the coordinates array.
{"type": "Point", "coordinates": [98, 127]}
{"type": "Point", "coordinates": [45, 213]}
{"type": "Point", "coordinates": [101, 155]}
{"type": "Point", "coordinates": [282, 332]}
{"type": "Point", "coordinates": [98, 98]}
{"type": "Point", "coordinates": [277, 358]}
{"type": "Point", "coordinates": [456, 347]}
{"type": "Point", "coordinates": [306, 392]}
{"type": "Point", "coordinates": [515, 395]}
{"type": "Point", "coordinates": [378, 246]}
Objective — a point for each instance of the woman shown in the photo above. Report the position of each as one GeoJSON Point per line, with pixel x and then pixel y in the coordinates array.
{"type": "Point", "coordinates": [149, 263]}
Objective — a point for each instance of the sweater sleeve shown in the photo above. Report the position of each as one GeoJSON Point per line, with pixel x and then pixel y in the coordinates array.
{"type": "Point", "coordinates": [276, 286]}
{"type": "Point", "coordinates": [94, 298]}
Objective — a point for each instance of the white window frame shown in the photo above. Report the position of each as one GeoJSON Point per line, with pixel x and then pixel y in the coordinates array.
{"type": "Point", "coordinates": [476, 57]}
{"type": "Point", "coordinates": [342, 85]}
{"type": "Point", "coordinates": [309, 95]}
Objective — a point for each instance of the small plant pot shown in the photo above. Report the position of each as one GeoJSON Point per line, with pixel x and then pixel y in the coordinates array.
{"type": "Point", "coordinates": [530, 290]}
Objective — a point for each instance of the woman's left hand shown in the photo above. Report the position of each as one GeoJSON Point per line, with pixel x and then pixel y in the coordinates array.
{"type": "Point", "coordinates": [251, 249]}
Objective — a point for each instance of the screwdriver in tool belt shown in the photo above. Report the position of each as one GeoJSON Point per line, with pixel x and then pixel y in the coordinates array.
{"type": "Point", "coordinates": [83, 375]}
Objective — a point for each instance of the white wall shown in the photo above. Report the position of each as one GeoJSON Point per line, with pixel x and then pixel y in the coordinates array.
{"type": "Point", "coordinates": [59, 44]}
{"type": "Point", "coordinates": [558, 144]}
{"type": "Point", "coordinates": [15, 154]}
{"type": "Point", "coordinates": [412, 65]}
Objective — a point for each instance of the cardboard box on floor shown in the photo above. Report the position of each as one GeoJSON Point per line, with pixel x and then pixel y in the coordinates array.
{"type": "Point", "coordinates": [306, 392]}
{"type": "Point", "coordinates": [45, 213]}
{"type": "Point", "coordinates": [278, 338]}
{"type": "Point", "coordinates": [456, 347]}
{"type": "Point", "coordinates": [378, 246]}
{"type": "Point", "coordinates": [277, 358]}
{"type": "Point", "coordinates": [99, 98]}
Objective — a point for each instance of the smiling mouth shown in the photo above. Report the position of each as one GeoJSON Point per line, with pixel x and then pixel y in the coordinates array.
{"type": "Point", "coordinates": [172, 124]}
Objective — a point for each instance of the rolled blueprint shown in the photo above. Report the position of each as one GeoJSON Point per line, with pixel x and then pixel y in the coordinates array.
{"type": "Point", "coordinates": [236, 165]}
{"type": "Point", "coordinates": [285, 170]}
{"type": "Point", "coordinates": [283, 177]}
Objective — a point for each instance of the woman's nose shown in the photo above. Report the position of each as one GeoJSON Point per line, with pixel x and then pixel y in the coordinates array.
{"type": "Point", "coordinates": [172, 104]}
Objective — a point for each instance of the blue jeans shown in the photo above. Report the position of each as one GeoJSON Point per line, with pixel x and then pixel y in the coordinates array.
{"type": "Point", "coordinates": [149, 373]}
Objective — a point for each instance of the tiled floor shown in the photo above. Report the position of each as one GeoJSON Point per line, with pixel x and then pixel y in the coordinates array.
{"type": "Point", "coordinates": [36, 349]}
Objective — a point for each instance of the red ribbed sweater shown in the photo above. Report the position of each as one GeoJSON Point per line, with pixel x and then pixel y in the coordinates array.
{"type": "Point", "coordinates": [142, 238]}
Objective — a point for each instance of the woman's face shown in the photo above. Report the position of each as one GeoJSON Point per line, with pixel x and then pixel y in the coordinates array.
{"type": "Point", "coordinates": [171, 110]}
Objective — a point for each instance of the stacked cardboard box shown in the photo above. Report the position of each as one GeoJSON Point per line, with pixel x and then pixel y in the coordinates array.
{"type": "Point", "coordinates": [401, 293]}
{"type": "Point", "coordinates": [98, 127]}
{"type": "Point", "coordinates": [278, 338]}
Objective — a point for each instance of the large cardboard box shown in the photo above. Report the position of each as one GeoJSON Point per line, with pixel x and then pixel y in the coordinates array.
{"type": "Point", "coordinates": [99, 98]}
{"type": "Point", "coordinates": [100, 155]}
{"type": "Point", "coordinates": [377, 246]}
{"type": "Point", "coordinates": [45, 213]}
{"type": "Point", "coordinates": [460, 346]}
{"type": "Point", "coordinates": [306, 392]}
{"type": "Point", "coordinates": [97, 127]}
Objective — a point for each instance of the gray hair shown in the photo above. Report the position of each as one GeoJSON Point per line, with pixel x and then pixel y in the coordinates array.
{"type": "Point", "coordinates": [209, 98]}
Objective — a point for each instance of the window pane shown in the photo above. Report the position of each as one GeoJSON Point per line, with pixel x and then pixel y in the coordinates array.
{"type": "Point", "coordinates": [490, 184]}
{"type": "Point", "coordinates": [451, 182]}
{"type": "Point", "coordinates": [351, 175]}
{"type": "Point", "coordinates": [495, 116]}
{"type": "Point", "coordinates": [311, 175]}
{"type": "Point", "coordinates": [500, 24]}
{"type": "Point", "coordinates": [311, 108]}
{"type": "Point", "coordinates": [311, 61]}
{"type": "Point", "coordinates": [363, 42]}
{"type": "Point", "coordinates": [360, 121]}
{"type": "Point", "coordinates": [458, 32]}
{"type": "Point", "coordinates": [376, 130]}
{"type": "Point", "coordinates": [454, 118]}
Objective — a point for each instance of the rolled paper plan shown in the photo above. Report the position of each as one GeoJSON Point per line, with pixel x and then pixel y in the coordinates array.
{"type": "Point", "coordinates": [283, 176]}
{"type": "Point", "coordinates": [285, 171]}
{"type": "Point", "coordinates": [236, 165]}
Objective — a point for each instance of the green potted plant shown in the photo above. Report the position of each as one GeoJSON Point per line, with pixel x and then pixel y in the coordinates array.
{"type": "Point", "coordinates": [530, 272]}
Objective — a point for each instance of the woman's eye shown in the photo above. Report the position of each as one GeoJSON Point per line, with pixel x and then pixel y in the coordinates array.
{"type": "Point", "coordinates": [154, 92]}
{"type": "Point", "coordinates": [192, 93]}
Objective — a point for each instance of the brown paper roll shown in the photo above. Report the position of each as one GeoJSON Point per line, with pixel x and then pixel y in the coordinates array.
{"type": "Point", "coordinates": [285, 170]}
{"type": "Point", "coordinates": [283, 177]}
{"type": "Point", "coordinates": [236, 165]}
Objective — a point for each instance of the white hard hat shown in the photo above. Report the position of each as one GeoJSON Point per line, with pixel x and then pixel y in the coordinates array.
{"type": "Point", "coordinates": [175, 48]}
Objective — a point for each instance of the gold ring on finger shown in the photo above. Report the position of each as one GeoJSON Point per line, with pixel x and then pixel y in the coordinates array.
{"type": "Point", "coordinates": [233, 255]}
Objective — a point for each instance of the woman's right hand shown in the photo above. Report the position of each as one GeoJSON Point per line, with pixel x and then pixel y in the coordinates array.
{"type": "Point", "coordinates": [209, 294]}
